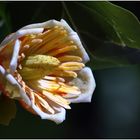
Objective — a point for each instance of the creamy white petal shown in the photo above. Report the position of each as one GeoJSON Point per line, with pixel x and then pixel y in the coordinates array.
{"type": "Point", "coordinates": [22, 32]}
{"type": "Point", "coordinates": [14, 59]}
{"type": "Point", "coordinates": [50, 23]}
{"type": "Point", "coordinates": [57, 118]}
{"type": "Point", "coordinates": [6, 40]}
{"type": "Point", "coordinates": [81, 51]}
{"type": "Point", "coordinates": [13, 87]}
{"type": "Point", "coordinates": [74, 36]}
{"type": "Point", "coordinates": [19, 34]}
{"type": "Point", "coordinates": [66, 26]}
{"type": "Point", "coordinates": [2, 71]}
{"type": "Point", "coordinates": [86, 82]}
{"type": "Point", "coordinates": [47, 24]}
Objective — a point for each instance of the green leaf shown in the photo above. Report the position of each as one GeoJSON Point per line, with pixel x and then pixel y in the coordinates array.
{"type": "Point", "coordinates": [124, 23]}
{"type": "Point", "coordinates": [111, 34]}
{"type": "Point", "coordinates": [107, 55]}
{"type": "Point", "coordinates": [7, 110]}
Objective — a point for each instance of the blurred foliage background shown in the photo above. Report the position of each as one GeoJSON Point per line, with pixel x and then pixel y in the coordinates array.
{"type": "Point", "coordinates": [115, 108]}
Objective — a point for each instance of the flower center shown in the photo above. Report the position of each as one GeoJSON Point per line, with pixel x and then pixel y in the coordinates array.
{"type": "Point", "coordinates": [37, 66]}
{"type": "Point", "coordinates": [47, 62]}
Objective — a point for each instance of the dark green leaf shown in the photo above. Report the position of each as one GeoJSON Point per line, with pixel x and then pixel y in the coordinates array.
{"type": "Point", "coordinates": [124, 23]}
{"type": "Point", "coordinates": [110, 33]}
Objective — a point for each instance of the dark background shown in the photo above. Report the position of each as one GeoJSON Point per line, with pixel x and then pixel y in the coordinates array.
{"type": "Point", "coordinates": [115, 108]}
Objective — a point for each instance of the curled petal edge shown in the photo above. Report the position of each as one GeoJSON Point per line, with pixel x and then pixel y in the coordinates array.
{"type": "Point", "coordinates": [86, 82]}
{"type": "Point", "coordinates": [57, 118]}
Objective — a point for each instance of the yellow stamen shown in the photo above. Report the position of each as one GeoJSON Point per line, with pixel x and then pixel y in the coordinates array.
{"type": "Point", "coordinates": [57, 99]}
{"type": "Point", "coordinates": [49, 36]}
{"type": "Point", "coordinates": [44, 61]}
{"type": "Point", "coordinates": [52, 44]}
{"type": "Point", "coordinates": [58, 87]}
{"type": "Point", "coordinates": [69, 89]}
{"type": "Point", "coordinates": [20, 67]}
{"type": "Point", "coordinates": [21, 57]}
{"type": "Point", "coordinates": [65, 73]}
{"type": "Point", "coordinates": [66, 58]}
{"type": "Point", "coordinates": [54, 78]}
{"type": "Point", "coordinates": [48, 85]}
{"type": "Point", "coordinates": [49, 31]}
{"type": "Point", "coordinates": [56, 44]}
{"type": "Point", "coordinates": [44, 104]}
{"type": "Point", "coordinates": [43, 85]}
{"type": "Point", "coordinates": [26, 41]}
{"type": "Point", "coordinates": [37, 66]}
{"type": "Point", "coordinates": [53, 97]}
{"type": "Point", "coordinates": [31, 73]}
{"type": "Point", "coordinates": [72, 66]}
{"type": "Point", "coordinates": [63, 50]}
{"type": "Point", "coordinates": [34, 42]}
{"type": "Point", "coordinates": [50, 78]}
{"type": "Point", "coordinates": [26, 47]}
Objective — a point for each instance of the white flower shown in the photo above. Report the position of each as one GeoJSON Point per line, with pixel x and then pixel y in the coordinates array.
{"type": "Point", "coordinates": [43, 66]}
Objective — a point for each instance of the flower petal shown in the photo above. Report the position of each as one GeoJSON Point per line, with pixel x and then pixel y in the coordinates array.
{"type": "Point", "coordinates": [19, 34]}
{"type": "Point", "coordinates": [58, 117]}
{"type": "Point", "coordinates": [86, 83]}
{"type": "Point", "coordinates": [74, 36]}
{"type": "Point", "coordinates": [49, 23]}
{"type": "Point", "coordinates": [13, 87]}
{"type": "Point", "coordinates": [13, 63]}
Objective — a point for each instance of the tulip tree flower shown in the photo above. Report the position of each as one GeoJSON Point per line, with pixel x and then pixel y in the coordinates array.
{"type": "Point", "coordinates": [43, 67]}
